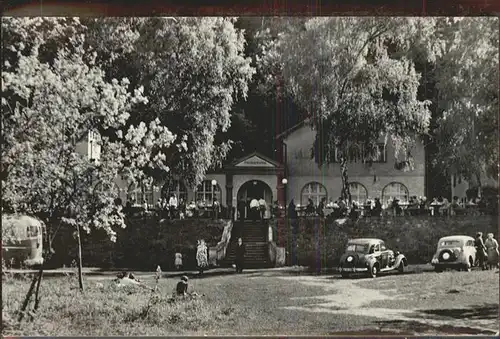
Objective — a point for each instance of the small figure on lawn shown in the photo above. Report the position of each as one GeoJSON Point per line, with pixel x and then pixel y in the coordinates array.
{"type": "Point", "coordinates": [127, 275]}
{"type": "Point", "coordinates": [182, 286]}
{"type": "Point", "coordinates": [178, 260]}
{"type": "Point", "coordinates": [202, 256]}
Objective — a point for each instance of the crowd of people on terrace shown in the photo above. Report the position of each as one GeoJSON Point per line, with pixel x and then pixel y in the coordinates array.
{"type": "Point", "coordinates": [174, 208]}
{"type": "Point", "coordinates": [255, 209]}
{"type": "Point", "coordinates": [393, 206]}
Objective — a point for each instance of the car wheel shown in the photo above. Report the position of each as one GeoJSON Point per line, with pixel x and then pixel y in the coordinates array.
{"type": "Point", "coordinates": [373, 271]}
{"type": "Point", "coordinates": [344, 275]}
{"type": "Point", "coordinates": [401, 267]}
{"type": "Point", "coordinates": [438, 269]}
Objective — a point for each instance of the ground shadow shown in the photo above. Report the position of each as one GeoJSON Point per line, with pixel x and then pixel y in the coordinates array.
{"type": "Point", "coordinates": [487, 311]}
{"type": "Point", "coordinates": [401, 327]}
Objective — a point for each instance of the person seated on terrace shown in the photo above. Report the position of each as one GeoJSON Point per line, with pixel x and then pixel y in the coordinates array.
{"type": "Point", "coordinates": [423, 204]}
{"type": "Point", "coordinates": [321, 207]}
{"type": "Point", "coordinates": [445, 206]}
{"type": "Point", "coordinates": [377, 209]}
{"type": "Point", "coordinates": [310, 207]}
{"type": "Point", "coordinates": [342, 206]}
{"type": "Point", "coordinates": [330, 203]}
{"type": "Point", "coordinates": [354, 213]}
{"type": "Point", "coordinates": [455, 206]}
{"type": "Point", "coordinates": [396, 209]}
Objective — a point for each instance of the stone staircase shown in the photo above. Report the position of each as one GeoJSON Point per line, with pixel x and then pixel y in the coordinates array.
{"type": "Point", "coordinates": [255, 238]}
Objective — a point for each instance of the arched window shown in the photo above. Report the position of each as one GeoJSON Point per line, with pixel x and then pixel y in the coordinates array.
{"type": "Point", "coordinates": [314, 191]}
{"type": "Point", "coordinates": [176, 187]}
{"type": "Point", "coordinates": [395, 190]}
{"type": "Point", "coordinates": [205, 192]}
{"type": "Point", "coordinates": [359, 194]}
{"type": "Point", "coordinates": [140, 192]}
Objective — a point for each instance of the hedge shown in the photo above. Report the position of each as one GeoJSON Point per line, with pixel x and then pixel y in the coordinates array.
{"type": "Point", "coordinates": [144, 244]}
{"type": "Point", "coordinates": [319, 244]}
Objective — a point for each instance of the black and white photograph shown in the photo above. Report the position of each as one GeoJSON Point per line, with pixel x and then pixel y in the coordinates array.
{"type": "Point", "coordinates": [250, 175]}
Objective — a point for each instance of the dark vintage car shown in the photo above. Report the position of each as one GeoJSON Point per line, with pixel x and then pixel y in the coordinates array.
{"type": "Point", "coordinates": [370, 256]}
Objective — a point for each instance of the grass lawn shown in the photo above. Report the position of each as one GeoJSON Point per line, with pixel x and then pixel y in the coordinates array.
{"type": "Point", "coordinates": [230, 304]}
{"type": "Point", "coordinates": [259, 302]}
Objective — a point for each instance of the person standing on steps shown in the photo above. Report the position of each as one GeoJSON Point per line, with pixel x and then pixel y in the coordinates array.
{"type": "Point", "coordinates": [262, 208]}
{"type": "Point", "coordinates": [240, 256]}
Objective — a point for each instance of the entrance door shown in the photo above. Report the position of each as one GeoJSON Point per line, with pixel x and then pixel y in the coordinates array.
{"type": "Point", "coordinates": [254, 189]}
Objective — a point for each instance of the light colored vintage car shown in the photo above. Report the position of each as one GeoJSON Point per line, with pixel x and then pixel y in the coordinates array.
{"type": "Point", "coordinates": [455, 251]}
{"type": "Point", "coordinates": [370, 256]}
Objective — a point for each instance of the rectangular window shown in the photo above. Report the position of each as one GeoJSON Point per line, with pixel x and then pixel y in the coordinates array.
{"type": "Point", "coordinates": [357, 156]}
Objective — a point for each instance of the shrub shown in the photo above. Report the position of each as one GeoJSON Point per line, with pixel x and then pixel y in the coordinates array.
{"type": "Point", "coordinates": [144, 244]}
{"type": "Point", "coordinates": [319, 244]}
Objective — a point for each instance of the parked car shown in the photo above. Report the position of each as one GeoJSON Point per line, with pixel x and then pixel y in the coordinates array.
{"type": "Point", "coordinates": [370, 256]}
{"type": "Point", "coordinates": [455, 251]}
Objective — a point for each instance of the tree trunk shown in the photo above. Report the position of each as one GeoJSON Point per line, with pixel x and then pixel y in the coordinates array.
{"type": "Point", "coordinates": [27, 298]}
{"type": "Point", "coordinates": [346, 193]}
{"type": "Point", "coordinates": [80, 274]}
{"type": "Point", "coordinates": [37, 292]}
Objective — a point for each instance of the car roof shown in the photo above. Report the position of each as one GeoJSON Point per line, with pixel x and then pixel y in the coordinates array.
{"type": "Point", "coordinates": [364, 240]}
{"type": "Point", "coordinates": [456, 237]}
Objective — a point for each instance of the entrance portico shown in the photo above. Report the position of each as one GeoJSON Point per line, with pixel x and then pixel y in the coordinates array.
{"type": "Point", "coordinates": [253, 177]}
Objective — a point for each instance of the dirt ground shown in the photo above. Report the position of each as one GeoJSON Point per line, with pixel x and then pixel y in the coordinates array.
{"type": "Point", "coordinates": [418, 304]}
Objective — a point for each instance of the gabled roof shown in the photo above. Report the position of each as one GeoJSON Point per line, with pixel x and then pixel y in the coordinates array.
{"type": "Point", "coordinates": [293, 129]}
{"type": "Point", "coordinates": [255, 154]}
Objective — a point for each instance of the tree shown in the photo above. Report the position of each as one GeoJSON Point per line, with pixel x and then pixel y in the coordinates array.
{"type": "Point", "coordinates": [345, 73]}
{"type": "Point", "coordinates": [466, 76]}
{"type": "Point", "coordinates": [193, 70]}
{"type": "Point", "coordinates": [49, 105]}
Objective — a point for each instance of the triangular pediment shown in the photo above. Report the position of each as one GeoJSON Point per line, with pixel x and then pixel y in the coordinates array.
{"type": "Point", "coordinates": [255, 160]}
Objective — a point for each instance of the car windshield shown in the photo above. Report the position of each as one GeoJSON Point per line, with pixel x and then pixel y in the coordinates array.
{"type": "Point", "coordinates": [360, 248]}
{"type": "Point", "coordinates": [448, 243]}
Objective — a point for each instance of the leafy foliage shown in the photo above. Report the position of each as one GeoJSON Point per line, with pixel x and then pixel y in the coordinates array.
{"type": "Point", "coordinates": [466, 76]}
{"type": "Point", "coordinates": [49, 106]}
{"type": "Point", "coordinates": [192, 70]}
{"type": "Point", "coordinates": [343, 72]}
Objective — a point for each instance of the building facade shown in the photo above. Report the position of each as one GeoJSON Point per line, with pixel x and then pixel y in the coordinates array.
{"type": "Point", "coordinates": [378, 179]}
{"type": "Point", "coordinates": [257, 176]}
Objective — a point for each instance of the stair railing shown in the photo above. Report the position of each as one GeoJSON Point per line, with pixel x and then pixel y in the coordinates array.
{"type": "Point", "coordinates": [221, 247]}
